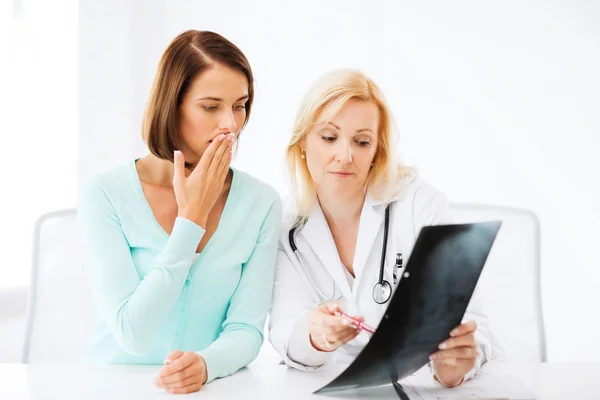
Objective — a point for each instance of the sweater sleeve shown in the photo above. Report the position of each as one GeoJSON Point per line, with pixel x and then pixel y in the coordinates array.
{"type": "Point", "coordinates": [132, 307]}
{"type": "Point", "coordinates": [241, 339]}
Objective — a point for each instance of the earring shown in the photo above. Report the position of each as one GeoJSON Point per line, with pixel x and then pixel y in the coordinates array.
{"type": "Point", "coordinates": [302, 155]}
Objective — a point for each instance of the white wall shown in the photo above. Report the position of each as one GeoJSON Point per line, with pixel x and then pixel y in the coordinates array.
{"type": "Point", "coordinates": [496, 103]}
{"type": "Point", "coordinates": [39, 125]}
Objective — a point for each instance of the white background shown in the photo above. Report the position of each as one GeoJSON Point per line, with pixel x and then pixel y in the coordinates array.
{"type": "Point", "coordinates": [496, 102]}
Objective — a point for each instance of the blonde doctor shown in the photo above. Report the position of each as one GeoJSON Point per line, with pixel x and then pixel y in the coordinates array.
{"type": "Point", "coordinates": [345, 175]}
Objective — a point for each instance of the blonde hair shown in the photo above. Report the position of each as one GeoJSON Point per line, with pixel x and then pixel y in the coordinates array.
{"type": "Point", "coordinates": [385, 179]}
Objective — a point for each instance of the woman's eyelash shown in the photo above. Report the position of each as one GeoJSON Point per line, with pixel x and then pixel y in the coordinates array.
{"type": "Point", "coordinates": [237, 107]}
{"type": "Point", "coordinates": [330, 139]}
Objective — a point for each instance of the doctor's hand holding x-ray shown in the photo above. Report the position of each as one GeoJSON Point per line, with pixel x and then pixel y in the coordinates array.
{"type": "Point", "coordinates": [354, 211]}
{"type": "Point", "coordinates": [456, 357]}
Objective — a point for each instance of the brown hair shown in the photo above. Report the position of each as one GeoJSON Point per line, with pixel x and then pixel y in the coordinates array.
{"type": "Point", "coordinates": [187, 56]}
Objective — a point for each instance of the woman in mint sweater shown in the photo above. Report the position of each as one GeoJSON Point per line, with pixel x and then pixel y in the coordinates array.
{"type": "Point", "coordinates": [181, 246]}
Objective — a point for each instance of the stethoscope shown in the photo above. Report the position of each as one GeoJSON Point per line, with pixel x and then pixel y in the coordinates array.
{"type": "Point", "coordinates": [382, 291]}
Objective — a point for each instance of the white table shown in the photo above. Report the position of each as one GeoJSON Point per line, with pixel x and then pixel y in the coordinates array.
{"type": "Point", "coordinates": [20, 382]}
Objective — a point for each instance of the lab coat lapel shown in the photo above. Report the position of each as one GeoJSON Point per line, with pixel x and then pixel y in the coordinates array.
{"type": "Point", "coordinates": [371, 223]}
{"type": "Point", "coordinates": [317, 234]}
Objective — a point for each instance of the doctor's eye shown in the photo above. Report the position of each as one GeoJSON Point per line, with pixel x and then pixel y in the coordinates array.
{"type": "Point", "coordinates": [363, 143]}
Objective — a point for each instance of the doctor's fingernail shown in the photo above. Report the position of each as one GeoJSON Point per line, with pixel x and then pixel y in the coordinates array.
{"type": "Point", "coordinates": [453, 332]}
{"type": "Point", "coordinates": [345, 322]}
{"type": "Point", "coordinates": [442, 346]}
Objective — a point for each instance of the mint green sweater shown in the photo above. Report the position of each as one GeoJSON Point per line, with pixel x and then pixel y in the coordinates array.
{"type": "Point", "coordinates": [155, 294]}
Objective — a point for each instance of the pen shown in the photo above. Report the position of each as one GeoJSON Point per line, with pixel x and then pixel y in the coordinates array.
{"type": "Point", "coordinates": [397, 267]}
{"type": "Point", "coordinates": [360, 324]}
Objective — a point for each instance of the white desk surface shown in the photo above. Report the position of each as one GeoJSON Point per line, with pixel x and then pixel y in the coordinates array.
{"type": "Point", "coordinates": [69, 382]}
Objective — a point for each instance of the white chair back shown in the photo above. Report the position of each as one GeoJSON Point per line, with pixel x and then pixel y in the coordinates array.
{"type": "Point", "coordinates": [61, 315]}
{"type": "Point", "coordinates": [509, 286]}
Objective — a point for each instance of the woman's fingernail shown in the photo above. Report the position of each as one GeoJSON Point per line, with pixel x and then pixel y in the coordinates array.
{"type": "Point", "coordinates": [345, 322]}
{"type": "Point", "coordinates": [177, 155]}
{"type": "Point", "coordinates": [442, 346]}
{"type": "Point", "coordinates": [432, 357]}
{"type": "Point", "coordinates": [454, 332]}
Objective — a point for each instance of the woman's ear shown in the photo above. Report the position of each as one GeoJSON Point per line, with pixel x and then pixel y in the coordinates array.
{"type": "Point", "coordinates": [302, 146]}
{"type": "Point", "coordinates": [302, 143]}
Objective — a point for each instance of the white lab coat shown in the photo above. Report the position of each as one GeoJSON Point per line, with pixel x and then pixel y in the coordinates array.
{"type": "Point", "coordinates": [294, 297]}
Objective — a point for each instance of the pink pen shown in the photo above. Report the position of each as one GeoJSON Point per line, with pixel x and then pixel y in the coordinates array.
{"type": "Point", "coordinates": [360, 324]}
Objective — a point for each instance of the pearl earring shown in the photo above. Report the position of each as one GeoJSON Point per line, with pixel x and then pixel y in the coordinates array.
{"type": "Point", "coordinates": [302, 155]}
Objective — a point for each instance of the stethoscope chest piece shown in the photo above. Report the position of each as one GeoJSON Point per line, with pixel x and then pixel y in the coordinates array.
{"type": "Point", "coordinates": [382, 291]}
